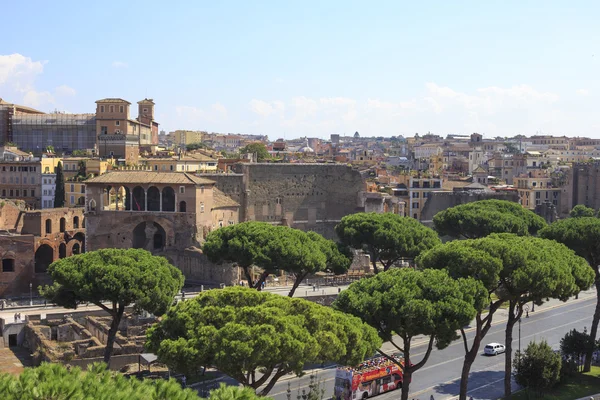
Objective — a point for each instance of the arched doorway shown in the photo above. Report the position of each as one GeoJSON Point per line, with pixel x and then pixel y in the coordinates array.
{"type": "Point", "coordinates": [76, 249]}
{"type": "Point", "coordinates": [75, 222]}
{"type": "Point", "coordinates": [62, 250]}
{"type": "Point", "coordinates": [63, 224]}
{"type": "Point", "coordinates": [150, 236]}
{"type": "Point", "coordinates": [139, 199]}
{"type": "Point", "coordinates": [168, 199]}
{"type": "Point", "coordinates": [182, 206]}
{"type": "Point", "coordinates": [80, 237]}
{"type": "Point", "coordinates": [127, 199]}
{"type": "Point", "coordinates": [44, 256]}
{"type": "Point", "coordinates": [153, 199]}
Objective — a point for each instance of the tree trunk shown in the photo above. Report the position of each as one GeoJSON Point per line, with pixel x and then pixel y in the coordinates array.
{"type": "Point", "coordinates": [299, 278]}
{"type": "Point", "coordinates": [247, 271]}
{"type": "Point", "coordinates": [594, 329]}
{"type": "Point", "coordinates": [112, 333]}
{"type": "Point", "coordinates": [514, 313]}
{"type": "Point", "coordinates": [273, 381]}
{"type": "Point", "coordinates": [467, 364]}
{"type": "Point", "coordinates": [259, 282]}
{"type": "Point", "coordinates": [374, 261]}
{"type": "Point", "coordinates": [407, 375]}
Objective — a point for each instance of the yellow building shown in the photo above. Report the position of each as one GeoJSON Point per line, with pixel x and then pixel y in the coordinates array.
{"type": "Point", "coordinates": [534, 191]}
{"type": "Point", "coordinates": [74, 194]}
{"type": "Point", "coordinates": [182, 137]}
{"type": "Point", "coordinates": [93, 166]}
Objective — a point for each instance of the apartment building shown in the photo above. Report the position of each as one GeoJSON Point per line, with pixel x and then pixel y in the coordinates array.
{"type": "Point", "coordinates": [419, 191]}
{"type": "Point", "coordinates": [536, 188]}
{"type": "Point", "coordinates": [48, 189]}
{"type": "Point", "coordinates": [183, 137]}
{"type": "Point", "coordinates": [74, 194]}
{"type": "Point", "coordinates": [21, 177]}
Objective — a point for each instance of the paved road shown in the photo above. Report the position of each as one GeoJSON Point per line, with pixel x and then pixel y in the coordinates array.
{"type": "Point", "coordinates": [440, 376]}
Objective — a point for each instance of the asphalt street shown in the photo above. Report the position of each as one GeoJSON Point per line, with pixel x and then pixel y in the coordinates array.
{"type": "Point", "coordinates": [441, 375]}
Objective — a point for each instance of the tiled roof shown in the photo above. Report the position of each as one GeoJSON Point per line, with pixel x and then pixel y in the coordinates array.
{"type": "Point", "coordinates": [142, 177]}
{"type": "Point", "coordinates": [112, 100]}
{"type": "Point", "coordinates": [220, 199]}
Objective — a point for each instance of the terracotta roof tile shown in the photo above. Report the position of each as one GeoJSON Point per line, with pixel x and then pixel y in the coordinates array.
{"type": "Point", "coordinates": [149, 177]}
{"type": "Point", "coordinates": [220, 199]}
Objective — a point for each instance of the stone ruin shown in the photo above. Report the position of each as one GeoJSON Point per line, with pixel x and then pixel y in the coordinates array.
{"type": "Point", "coordinates": [75, 340]}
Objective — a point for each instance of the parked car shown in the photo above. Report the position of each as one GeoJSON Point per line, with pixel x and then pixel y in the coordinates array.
{"type": "Point", "coordinates": [493, 349]}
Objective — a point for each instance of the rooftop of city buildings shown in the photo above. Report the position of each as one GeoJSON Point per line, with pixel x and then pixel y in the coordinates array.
{"type": "Point", "coordinates": [112, 100]}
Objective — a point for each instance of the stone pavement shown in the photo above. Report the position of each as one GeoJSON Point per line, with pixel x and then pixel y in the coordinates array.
{"type": "Point", "coordinates": [14, 359]}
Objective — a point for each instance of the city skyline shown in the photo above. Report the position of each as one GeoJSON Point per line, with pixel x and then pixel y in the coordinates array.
{"type": "Point", "coordinates": [292, 70]}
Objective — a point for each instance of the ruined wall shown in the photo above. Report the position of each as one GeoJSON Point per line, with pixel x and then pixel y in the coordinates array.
{"type": "Point", "coordinates": [196, 267]}
{"type": "Point", "coordinates": [439, 201]}
{"type": "Point", "coordinates": [114, 229]}
{"type": "Point", "coordinates": [19, 248]}
{"type": "Point", "coordinates": [9, 214]}
{"type": "Point", "coordinates": [306, 195]}
{"type": "Point", "coordinates": [230, 184]}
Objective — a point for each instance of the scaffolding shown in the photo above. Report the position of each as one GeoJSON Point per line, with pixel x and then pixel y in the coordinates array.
{"type": "Point", "coordinates": [64, 132]}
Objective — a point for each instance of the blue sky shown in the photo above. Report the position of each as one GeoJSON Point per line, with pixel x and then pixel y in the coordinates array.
{"type": "Point", "coordinates": [304, 68]}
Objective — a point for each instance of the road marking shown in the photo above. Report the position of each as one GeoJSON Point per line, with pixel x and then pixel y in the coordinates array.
{"type": "Point", "coordinates": [460, 342]}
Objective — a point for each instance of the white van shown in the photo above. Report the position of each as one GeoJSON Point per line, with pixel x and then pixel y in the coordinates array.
{"type": "Point", "coordinates": [493, 349]}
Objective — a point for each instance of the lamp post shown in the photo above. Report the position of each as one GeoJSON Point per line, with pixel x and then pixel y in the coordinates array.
{"type": "Point", "coordinates": [30, 293]}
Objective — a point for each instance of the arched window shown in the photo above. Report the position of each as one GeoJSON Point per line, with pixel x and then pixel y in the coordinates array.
{"type": "Point", "coordinates": [182, 206]}
{"type": "Point", "coordinates": [63, 224]}
{"type": "Point", "coordinates": [75, 222]}
{"type": "Point", "coordinates": [44, 256]}
{"type": "Point", "coordinates": [76, 249]}
{"type": "Point", "coordinates": [48, 226]}
{"type": "Point", "coordinates": [168, 199]}
{"type": "Point", "coordinates": [92, 205]}
{"type": "Point", "coordinates": [62, 250]}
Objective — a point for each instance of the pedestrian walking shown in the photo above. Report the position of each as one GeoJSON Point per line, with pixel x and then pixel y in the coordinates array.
{"type": "Point", "coordinates": [431, 397]}
{"type": "Point", "coordinates": [183, 381]}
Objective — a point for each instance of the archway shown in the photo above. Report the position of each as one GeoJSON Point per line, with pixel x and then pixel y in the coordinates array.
{"type": "Point", "coordinates": [80, 237]}
{"type": "Point", "coordinates": [168, 199]}
{"type": "Point", "coordinates": [92, 205]}
{"type": "Point", "coordinates": [48, 225]}
{"type": "Point", "coordinates": [62, 250]}
{"type": "Point", "coordinates": [81, 201]}
{"type": "Point", "coordinates": [76, 249]}
{"type": "Point", "coordinates": [182, 206]}
{"type": "Point", "coordinates": [153, 199]}
{"type": "Point", "coordinates": [75, 222]}
{"type": "Point", "coordinates": [44, 256]}
{"type": "Point", "coordinates": [139, 199]}
{"type": "Point", "coordinates": [63, 224]}
{"type": "Point", "coordinates": [150, 236]}
{"type": "Point", "coordinates": [127, 199]}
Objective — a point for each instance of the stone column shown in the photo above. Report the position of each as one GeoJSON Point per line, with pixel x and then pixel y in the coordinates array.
{"type": "Point", "coordinates": [160, 197]}
{"type": "Point", "coordinates": [145, 200]}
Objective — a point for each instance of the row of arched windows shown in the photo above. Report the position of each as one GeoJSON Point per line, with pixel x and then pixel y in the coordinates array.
{"type": "Point", "coordinates": [139, 199]}
{"type": "Point", "coordinates": [63, 224]}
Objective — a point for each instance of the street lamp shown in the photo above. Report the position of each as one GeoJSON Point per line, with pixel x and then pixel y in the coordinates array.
{"type": "Point", "coordinates": [30, 293]}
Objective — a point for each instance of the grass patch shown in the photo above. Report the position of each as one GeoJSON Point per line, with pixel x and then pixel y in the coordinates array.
{"type": "Point", "coordinates": [578, 386]}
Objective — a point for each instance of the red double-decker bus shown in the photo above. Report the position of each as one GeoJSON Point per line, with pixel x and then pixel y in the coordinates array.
{"type": "Point", "coordinates": [370, 378]}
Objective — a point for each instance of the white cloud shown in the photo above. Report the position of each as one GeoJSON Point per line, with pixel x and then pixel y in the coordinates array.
{"type": "Point", "coordinates": [491, 109]}
{"type": "Point", "coordinates": [18, 75]}
{"type": "Point", "coordinates": [119, 64]}
{"type": "Point", "coordinates": [38, 99]}
{"type": "Point", "coordinates": [64, 90]}
{"type": "Point", "coordinates": [190, 117]}
{"type": "Point", "coordinates": [264, 108]}
{"type": "Point", "coordinates": [583, 92]}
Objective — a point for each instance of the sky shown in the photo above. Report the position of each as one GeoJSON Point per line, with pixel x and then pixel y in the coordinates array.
{"type": "Point", "coordinates": [288, 69]}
